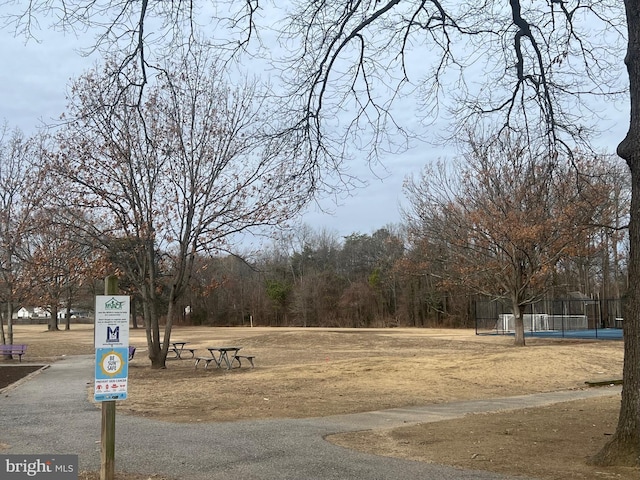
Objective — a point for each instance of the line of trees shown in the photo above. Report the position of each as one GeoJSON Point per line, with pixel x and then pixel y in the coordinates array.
{"type": "Point", "coordinates": [41, 264]}
{"type": "Point", "coordinates": [497, 222]}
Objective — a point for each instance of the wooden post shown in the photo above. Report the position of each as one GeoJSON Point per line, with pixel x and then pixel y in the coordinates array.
{"type": "Point", "coordinates": [108, 432]}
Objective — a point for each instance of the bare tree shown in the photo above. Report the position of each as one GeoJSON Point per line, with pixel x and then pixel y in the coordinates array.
{"type": "Point", "coordinates": [57, 263]}
{"type": "Point", "coordinates": [175, 176]}
{"type": "Point", "coordinates": [521, 67]}
{"type": "Point", "coordinates": [614, 234]}
{"type": "Point", "coordinates": [19, 197]}
{"type": "Point", "coordinates": [506, 216]}
{"type": "Point", "coordinates": [145, 33]}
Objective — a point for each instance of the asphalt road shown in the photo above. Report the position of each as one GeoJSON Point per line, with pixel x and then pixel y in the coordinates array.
{"type": "Point", "coordinates": [50, 414]}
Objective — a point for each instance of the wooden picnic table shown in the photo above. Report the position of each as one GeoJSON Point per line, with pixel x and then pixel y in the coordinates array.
{"type": "Point", "coordinates": [220, 355]}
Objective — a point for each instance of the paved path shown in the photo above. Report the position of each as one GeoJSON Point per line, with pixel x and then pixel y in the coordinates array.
{"type": "Point", "coordinates": [51, 413]}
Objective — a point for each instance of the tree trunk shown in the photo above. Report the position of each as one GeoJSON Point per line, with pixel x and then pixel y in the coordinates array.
{"type": "Point", "coordinates": [9, 338]}
{"type": "Point", "coordinates": [53, 319]}
{"type": "Point", "coordinates": [624, 446]}
{"type": "Point", "coordinates": [518, 324]}
{"type": "Point", "coordinates": [134, 313]}
{"type": "Point", "coordinates": [157, 355]}
{"type": "Point", "coordinates": [67, 316]}
{"type": "Point", "coordinates": [2, 337]}
{"type": "Point", "coordinates": [169, 322]}
{"type": "Point", "coordinates": [9, 323]}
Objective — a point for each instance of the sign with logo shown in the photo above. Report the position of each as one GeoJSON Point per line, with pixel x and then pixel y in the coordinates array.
{"type": "Point", "coordinates": [112, 321]}
{"type": "Point", "coordinates": [111, 339]}
{"type": "Point", "coordinates": [112, 369]}
{"type": "Point", "coordinates": [43, 467]}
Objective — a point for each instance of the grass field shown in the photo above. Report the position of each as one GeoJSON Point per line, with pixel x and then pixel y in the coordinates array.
{"type": "Point", "coordinates": [316, 372]}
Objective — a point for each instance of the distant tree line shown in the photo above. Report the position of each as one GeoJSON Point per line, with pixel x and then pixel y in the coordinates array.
{"type": "Point", "coordinates": [567, 228]}
{"type": "Point", "coordinates": [365, 280]}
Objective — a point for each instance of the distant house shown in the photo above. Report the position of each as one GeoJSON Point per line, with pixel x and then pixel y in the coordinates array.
{"type": "Point", "coordinates": [62, 314]}
{"type": "Point", "coordinates": [24, 313]}
{"type": "Point", "coordinates": [40, 315]}
{"type": "Point", "coordinates": [31, 315]}
{"type": "Point", "coordinates": [36, 312]}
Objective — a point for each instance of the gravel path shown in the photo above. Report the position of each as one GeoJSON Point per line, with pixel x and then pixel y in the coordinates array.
{"type": "Point", "coordinates": [50, 413]}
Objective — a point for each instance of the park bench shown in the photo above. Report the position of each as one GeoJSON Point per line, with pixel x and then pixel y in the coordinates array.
{"type": "Point", "coordinates": [13, 350]}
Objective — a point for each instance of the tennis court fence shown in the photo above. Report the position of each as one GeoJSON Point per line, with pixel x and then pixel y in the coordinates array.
{"type": "Point", "coordinates": [558, 315]}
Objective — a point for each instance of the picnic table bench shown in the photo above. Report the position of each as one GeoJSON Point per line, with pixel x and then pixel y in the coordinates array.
{"type": "Point", "coordinates": [226, 356]}
{"type": "Point", "coordinates": [249, 358]}
{"type": "Point", "coordinates": [178, 349]}
{"type": "Point", "coordinates": [13, 350]}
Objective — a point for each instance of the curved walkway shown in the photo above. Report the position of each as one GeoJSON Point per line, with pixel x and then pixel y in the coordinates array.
{"type": "Point", "coordinates": [50, 413]}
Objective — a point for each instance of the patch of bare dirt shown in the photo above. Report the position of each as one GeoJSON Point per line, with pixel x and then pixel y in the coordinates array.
{"type": "Point", "coordinates": [317, 372]}
{"type": "Point", "coordinates": [10, 374]}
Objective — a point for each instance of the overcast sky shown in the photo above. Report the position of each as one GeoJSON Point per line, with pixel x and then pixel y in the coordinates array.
{"type": "Point", "coordinates": [33, 81]}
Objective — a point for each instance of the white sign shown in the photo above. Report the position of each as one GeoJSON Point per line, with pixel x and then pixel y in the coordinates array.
{"type": "Point", "coordinates": [112, 321]}
{"type": "Point", "coordinates": [111, 339]}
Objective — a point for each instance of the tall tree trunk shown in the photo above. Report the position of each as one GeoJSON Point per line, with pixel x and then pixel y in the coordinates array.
{"type": "Point", "coordinates": [157, 350]}
{"type": "Point", "coordinates": [9, 338]}
{"type": "Point", "coordinates": [67, 316]}
{"type": "Point", "coordinates": [624, 446]}
{"type": "Point", "coordinates": [169, 322]}
{"type": "Point", "coordinates": [518, 323]}
{"type": "Point", "coordinates": [3, 340]}
{"type": "Point", "coordinates": [53, 319]}
{"type": "Point", "coordinates": [9, 323]}
{"type": "Point", "coordinates": [134, 312]}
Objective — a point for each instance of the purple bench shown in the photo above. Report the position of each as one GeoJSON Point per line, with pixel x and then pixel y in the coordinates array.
{"type": "Point", "coordinates": [13, 350]}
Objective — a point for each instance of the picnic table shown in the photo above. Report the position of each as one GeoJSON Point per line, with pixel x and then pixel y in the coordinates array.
{"type": "Point", "coordinates": [220, 355]}
{"type": "Point", "coordinates": [178, 349]}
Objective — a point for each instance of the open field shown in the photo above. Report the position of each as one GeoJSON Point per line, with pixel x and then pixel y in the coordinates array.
{"type": "Point", "coordinates": [317, 372]}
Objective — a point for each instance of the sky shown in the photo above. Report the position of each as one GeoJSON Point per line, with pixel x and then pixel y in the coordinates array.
{"type": "Point", "coordinates": [34, 76]}
{"type": "Point", "coordinates": [33, 83]}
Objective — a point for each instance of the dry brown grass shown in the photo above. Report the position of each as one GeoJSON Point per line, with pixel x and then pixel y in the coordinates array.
{"type": "Point", "coordinates": [317, 372]}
